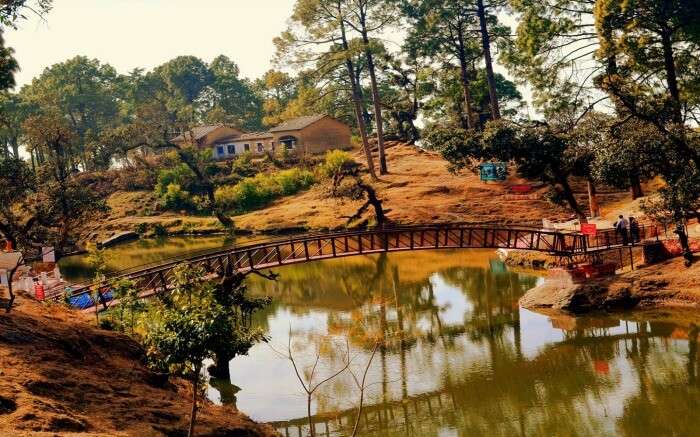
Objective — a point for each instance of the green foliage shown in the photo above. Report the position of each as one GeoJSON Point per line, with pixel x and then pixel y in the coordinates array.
{"type": "Point", "coordinates": [334, 162]}
{"type": "Point", "coordinates": [191, 324]}
{"type": "Point", "coordinates": [179, 175]}
{"type": "Point", "coordinates": [243, 165]}
{"type": "Point", "coordinates": [257, 191]}
{"type": "Point", "coordinates": [177, 199]}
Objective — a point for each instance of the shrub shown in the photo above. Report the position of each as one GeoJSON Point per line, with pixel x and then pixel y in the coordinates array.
{"type": "Point", "coordinates": [257, 191]}
{"type": "Point", "coordinates": [159, 230]}
{"type": "Point", "coordinates": [179, 175]}
{"type": "Point", "coordinates": [175, 198]}
{"type": "Point", "coordinates": [243, 165]}
{"type": "Point", "coordinates": [334, 162]}
{"type": "Point", "coordinates": [293, 180]}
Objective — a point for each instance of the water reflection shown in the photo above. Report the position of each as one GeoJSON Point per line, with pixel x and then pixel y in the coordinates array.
{"type": "Point", "coordinates": [77, 268]}
{"type": "Point", "coordinates": [460, 357]}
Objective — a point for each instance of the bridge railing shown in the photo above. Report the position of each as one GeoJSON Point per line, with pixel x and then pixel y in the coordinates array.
{"type": "Point", "coordinates": [287, 250]}
{"type": "Point", "coordinates": [268, 253]}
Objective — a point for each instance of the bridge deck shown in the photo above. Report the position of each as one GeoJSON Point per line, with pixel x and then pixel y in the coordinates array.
{"type": "Point", "coordinates": [312, 247]}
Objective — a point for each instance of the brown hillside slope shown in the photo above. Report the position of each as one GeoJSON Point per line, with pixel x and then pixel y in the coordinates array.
{"type": "Point", "coordinates": [60, 375]}
{"type": "Point", "coordinates": [419, 189]}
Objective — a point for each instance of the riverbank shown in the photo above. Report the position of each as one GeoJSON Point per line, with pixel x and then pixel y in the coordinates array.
{"type": "Point", "coordinates": [663, 285]}
{"type": "Point", "coordinates": [61, 375]}
{"type": "Point", "coordinates": [419, 189]}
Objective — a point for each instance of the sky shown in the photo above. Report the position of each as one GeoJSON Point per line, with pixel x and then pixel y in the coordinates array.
{"type": "Point", "coordinates": [145, 33]}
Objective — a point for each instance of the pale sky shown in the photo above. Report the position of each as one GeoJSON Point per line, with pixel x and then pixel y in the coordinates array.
{"type": "Point", "coordinates": [145, 33]}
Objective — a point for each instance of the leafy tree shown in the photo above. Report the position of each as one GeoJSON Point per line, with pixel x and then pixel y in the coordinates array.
{"type": "Point", "coordinates": [441, 30]}
{"type": "Point", "coordinates": [365, 17]}
{"type": "Point", "coordinates": [323, 24]}
{"type": "Point", "coordinates": [13, 111]}
{"type": "Point", "coordinates": [655, 81]}
{"type": "Point", "coordinates": [277, 89]}
{"type": "Point", "coordinates": [190, 324]}
{"type": "Point", "coordinates": [10, 12]}
{"type": "Point", "coordinates": [84, 92]}
{"type": "Point", "coordinates": [233, 96]}
{"type": "Point", "coordinates": [539, 151]}
{"type": "Point", "coordinates": [8, 65]}
{"type": "Point", "coordinates": [47, 205]}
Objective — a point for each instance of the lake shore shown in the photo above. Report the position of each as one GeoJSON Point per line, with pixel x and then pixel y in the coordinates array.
{"type": "Point", "coordinates": [61, 374]}
{"type": "Point", "coordinates": [668, 284]}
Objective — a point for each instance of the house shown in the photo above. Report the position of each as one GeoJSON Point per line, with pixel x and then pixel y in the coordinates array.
{"type": "Point", "coordinates": [304, 135]}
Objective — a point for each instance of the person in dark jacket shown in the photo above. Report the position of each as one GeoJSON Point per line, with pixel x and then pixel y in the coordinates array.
{"type": "Point", "coordinates": [634, 230]}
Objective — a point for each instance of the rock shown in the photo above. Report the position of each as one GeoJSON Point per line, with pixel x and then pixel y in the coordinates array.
{"type": "Point", "coordinates": [7, 405]}
{"type": "Point", "coordinates": [121, 237]}
{"type": "Point", "coordinates": [620, 299]}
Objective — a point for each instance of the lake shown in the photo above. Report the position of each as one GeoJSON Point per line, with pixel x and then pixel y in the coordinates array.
{"type": "Point", "coordinates": [454, 354]}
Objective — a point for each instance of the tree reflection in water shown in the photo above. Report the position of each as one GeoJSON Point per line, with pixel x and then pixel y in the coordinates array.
{"type": "Point", "coordinates": [460, 357]}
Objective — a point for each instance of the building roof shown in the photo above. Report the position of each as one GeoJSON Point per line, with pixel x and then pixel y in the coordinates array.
{"type": "Point", "coordinates": [297, 123]}
{"type": "Point", "coordinates": [244, 137]}
{"type": "Point", "coordinates": [198, 132]}
{"type": "Point", "coordinates": [255, 136]}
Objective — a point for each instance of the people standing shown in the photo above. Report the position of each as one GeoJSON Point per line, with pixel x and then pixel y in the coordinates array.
{"type": "Point", "coordinates": [634, 230]}
{"type": "Point", "coordinates": [621, 227]}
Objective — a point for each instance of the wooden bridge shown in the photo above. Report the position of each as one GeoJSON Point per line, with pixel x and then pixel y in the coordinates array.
{"type": "Point", "coordinates": [319, 246]}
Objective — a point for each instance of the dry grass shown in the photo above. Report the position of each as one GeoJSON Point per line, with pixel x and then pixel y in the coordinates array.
{"type": "Point", "coordinates": [61, 375]}
{"type": "Point", "coordinates": [419, 189]}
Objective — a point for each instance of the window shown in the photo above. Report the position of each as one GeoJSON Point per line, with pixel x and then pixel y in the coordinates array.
{"type": "Point", "coordinates": [289, 142]}
{"type": "Point", "coordinates": [219, 150]}
{"type": "Point", "coordinates": [231, 149]}
{"type": "Point", "coordinates": [261, 148]}
{"type": "Point", "coordinates": [246, 147]}
{"type": "Point", "coordinates": [272, 143]}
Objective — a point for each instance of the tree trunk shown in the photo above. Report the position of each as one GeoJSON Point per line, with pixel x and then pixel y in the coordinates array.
{"type": "Point", "coordinates": [490, 77]}
{"type": "Point", "coordinates": [683, 240]}
{"type": "Point", "coordinates": [467, 120]}
{"type": "Point", "coordinates": [593, 199]}
{"type": "Point", "coordinates": [378, 117]}
{"type": "Point", "coordinates": [193, 411]}
{"type": "Point", "coordinates": [636, 186]}
{"type": "Point", "coordinates": [312, 430]}
{"type": "Point", "coordinates": [570, 198]}
{"type": "Point", "coordinates": [356, 101]}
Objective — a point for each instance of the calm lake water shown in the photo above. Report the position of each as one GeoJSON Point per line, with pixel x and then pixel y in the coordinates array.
{"type": "Point", "coordinates": [460, 358]}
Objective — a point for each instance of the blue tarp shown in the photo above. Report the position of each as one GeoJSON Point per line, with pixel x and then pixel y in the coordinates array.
{"type": "Point", "coordinates": [80, 301]}
{"type": "Point", "coordinates": [84, 300]}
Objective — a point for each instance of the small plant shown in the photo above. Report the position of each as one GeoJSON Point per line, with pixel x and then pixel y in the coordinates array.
{"type": "Point", "coordinates": [243, 165]}
{"type": "Point", "coordinates": [159, 230]}
{"type": "Point", "coordinates": [176, 199]}
{"type": "Point", "coordinates": [141, 228]}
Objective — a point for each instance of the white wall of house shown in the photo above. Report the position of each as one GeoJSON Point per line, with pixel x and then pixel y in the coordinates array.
{"type": "Point", "coordinates": [235, 148]}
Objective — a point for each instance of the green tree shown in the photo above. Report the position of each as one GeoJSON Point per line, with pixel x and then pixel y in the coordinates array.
{"type": "Point", "coordinates": [233, 96]}
{"type": "Point", "coordinates": [367, 17]}
{"type": "Point", "coordinates": [190, 325]}
{"type": "Point", "coordinates": [655, 81]}
{"type": "Point", "coordinates": [84, 92]}
{"type": "Point", "coordinates": [539, 151]}
{"type": "Point", "coordinates": [322, 24]}
{"type": "Point", "coordinates": [10, 12]}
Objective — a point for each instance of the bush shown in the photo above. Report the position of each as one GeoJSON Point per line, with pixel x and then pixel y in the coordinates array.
{"type": "Point", "coordinates": [255, 192]}
{"type": "Point", "coordinates": [243, 165]}
{"type": "Point", "coordinates": [334, 162]}
{"type": "Point", "coordinates": [179, 175]}
{"type": "Point", "coordinates": [175, 198]}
